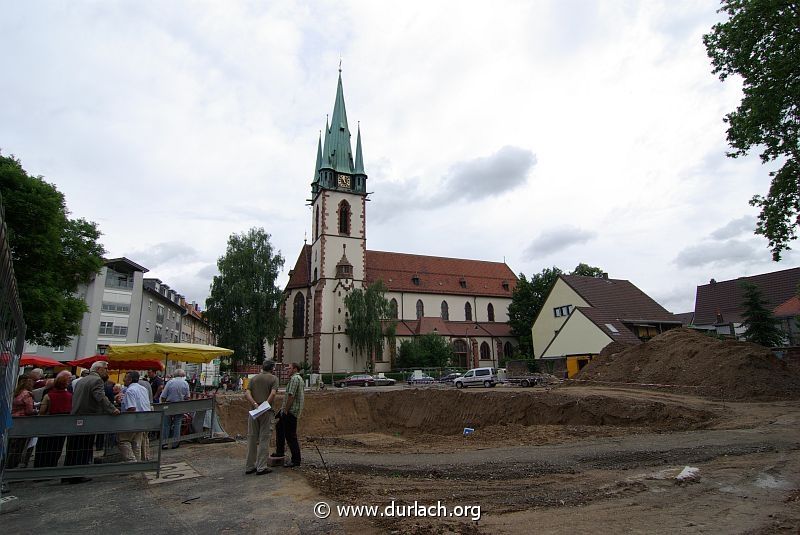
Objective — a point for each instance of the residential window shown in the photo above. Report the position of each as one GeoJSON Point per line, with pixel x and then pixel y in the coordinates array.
{"type": "Point", "coordinates": [445, 311]}
{"type": "Point", "coordinates": [490, 311]}
{"type": "Point", "coordinates": [157, 335]}
{"type": "Point", "coordinates": [420, 309]}
{"type": "Point", "coordinates": [344, 218]}
{"type": "Point", "coordinates": [486, 353]}
{"type": "Point", "coordinates": [106, 327]}
{"type": "Point", "coordinates": [393, 308]}
{"type": "Point", "coordinates": [120, 330]}
{"type": "Point", "coordinates": [122, 308]}
{"type": "Point", "coordinates": [118, 280]}
{"type": "Point", "coordinates": [298, 316]}
{"type": "Point", "coordinates": [467, 311]}
{"type": "Point", "coordinates": [562, 311]}
{"type": "Point", "coordinates": [58, 349]}
{"type": "Point", "coordinates": [160, 314]}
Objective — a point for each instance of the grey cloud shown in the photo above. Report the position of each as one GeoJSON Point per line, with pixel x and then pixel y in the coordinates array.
{"type": "Point", "coordinates": [720, 253]}
{"type": "Point", "coordinates": [552, 241]}
{"type": "Point", "coordinates": [208, 272]}
{"type": "Point", "coordinates": [735, 228]}
{"type": "Point", "coordinates": [472, 180]}
{"type": "Point", "coordinates": [489, 176]}
{"type": "Point", "coordinates": [162, 253]}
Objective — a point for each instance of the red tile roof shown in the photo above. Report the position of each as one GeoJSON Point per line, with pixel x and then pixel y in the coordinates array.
{"type": "Point", "coordinates": [619, 298]}
{"type": "Point", "coordinates": [463, 329]}
{"type": "Point", "coordinates": [300, 276]}
{"type": "Point", "coordinates": [725, 297]}
{"type": "Point", "coordinates": [788, 309]}
{"type": "Point", "coordinates": [440, 275]}
{"type": "Point", "coordinates": [435, 274]}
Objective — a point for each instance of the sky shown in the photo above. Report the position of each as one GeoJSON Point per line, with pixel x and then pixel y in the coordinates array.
{"type": "Point", "coordinates": [544, 133]}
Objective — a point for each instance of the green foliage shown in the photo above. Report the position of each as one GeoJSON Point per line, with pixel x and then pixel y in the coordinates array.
{"type": "Point", "coordinates": [367, 311]}
{"type": "Point", "coordinates": [52, 254]}
{"type": "Point", "coordinates": [243, 308]}
{"type": "Point", "coordinates": [760, 43]}
{"type": "Point", "coordinates": [585, 270]}
{"type": "Point", "coordinates": [761, 326]}
{"type": "Point", "coordinates": [425, 351]}
{"type": "Point", "coordinates": [526, 302]}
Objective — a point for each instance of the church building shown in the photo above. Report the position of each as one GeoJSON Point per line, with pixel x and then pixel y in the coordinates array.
{"type": "Point", "coordinates": [466, 301]}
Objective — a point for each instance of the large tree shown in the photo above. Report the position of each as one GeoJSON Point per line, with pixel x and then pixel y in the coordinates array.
{"type": "Point", "coordinates": [52, 254]}
{"type": "Point", "coordinates": [760, 42]}
{"type": "Point", "coordinates": [761, 327]}
{"type": "Point", "coordinates": [425, 351]}
{"type": "Point", "coordinates": [368, 323]}
{"type": "Point", "coordinates": [243, 308]}
{"type": "Point", "coordinates": [528, 298]}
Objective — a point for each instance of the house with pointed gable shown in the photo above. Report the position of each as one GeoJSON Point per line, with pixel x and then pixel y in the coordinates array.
{"type": "Point", "coordinates": [465, 301]}
{"type": "Point", "coordinates": [718, 305]}
{"type": "Point", "coordinates": [582, 315]}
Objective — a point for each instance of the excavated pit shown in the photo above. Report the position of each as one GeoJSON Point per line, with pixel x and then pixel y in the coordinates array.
{"type": "Point", "coordinates": [383, 419]}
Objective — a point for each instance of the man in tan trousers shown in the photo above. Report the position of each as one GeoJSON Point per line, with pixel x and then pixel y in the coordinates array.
{"type": "Point", "coordinates": [263, 387]}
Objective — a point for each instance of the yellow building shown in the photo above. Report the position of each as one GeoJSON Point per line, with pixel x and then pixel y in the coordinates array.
{"type": "Point", "coordinates": [582, 315]}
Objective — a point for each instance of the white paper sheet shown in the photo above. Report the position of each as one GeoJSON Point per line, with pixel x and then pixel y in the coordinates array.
{"type": "Point", "coordinates": [261, 409]}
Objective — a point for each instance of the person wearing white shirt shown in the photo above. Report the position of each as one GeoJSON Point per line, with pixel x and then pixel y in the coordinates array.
{"type": "Point", "coordinates": [134, 447]}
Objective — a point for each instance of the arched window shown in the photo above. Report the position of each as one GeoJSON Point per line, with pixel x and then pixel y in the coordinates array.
{"type": "Point", "coordinates": [490, 312]}
{"type": "Point", "coordinates": [467, 311]}
{"type": "Point", "coordinates": [420, 309]}
{"type": "Point", "coordinates": [316, 224]}
{"type": "Point", "coordinates": [298, 317]}
{"type": "Point", "coordinates": [344, 218]}
{"type": "Point", "coordinates": [486, 353]}
{"type": "Point", "coordinates": [393, 308]}
{"type": "Point", "coordinates": [315, 275]}
{"type": "Point", "coordinates": [508, 350]}
{"type": "Point", "coordinates": [445, 311]}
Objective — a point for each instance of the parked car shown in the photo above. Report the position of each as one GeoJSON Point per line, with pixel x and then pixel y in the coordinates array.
{"type": "Point", "coordinates": [360, 379]}
{"type": "Point", "coordinates": [477, 377]}
{"type": "Point", "coordinates": [384, 381]}
{"type": "Point", "coordinates": [449, 378]}
{"type": "Point", "coordinates": [420, 380]}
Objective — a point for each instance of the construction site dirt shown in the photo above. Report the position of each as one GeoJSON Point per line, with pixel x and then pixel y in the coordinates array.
{"type": "Point", "coordinates": [586, 459]}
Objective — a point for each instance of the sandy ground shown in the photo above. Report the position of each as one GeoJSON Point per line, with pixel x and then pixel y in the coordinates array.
{"type": "Point", "coordinates": [571, 460]}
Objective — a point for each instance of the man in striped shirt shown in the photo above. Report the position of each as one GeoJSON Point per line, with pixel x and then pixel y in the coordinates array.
{"type": "Point", "coordinates": [286, 428]}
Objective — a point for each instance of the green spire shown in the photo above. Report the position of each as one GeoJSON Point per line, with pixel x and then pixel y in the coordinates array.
{"type": "Point", "coordinates": [338, 153]}
{"type": "Point", "coordinates": [319, 160]}
{"type": "Point", "coordinates": [359, 158]}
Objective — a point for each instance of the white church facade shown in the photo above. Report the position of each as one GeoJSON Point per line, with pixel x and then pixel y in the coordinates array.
{"type": "Point", "coordinates": [466, 301]}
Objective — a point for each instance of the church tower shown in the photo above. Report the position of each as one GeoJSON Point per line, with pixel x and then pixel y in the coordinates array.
{"type": "Point", "coordinates": [338, 231]}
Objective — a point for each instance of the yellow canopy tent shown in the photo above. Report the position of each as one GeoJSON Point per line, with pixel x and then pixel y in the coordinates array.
{"type": "Point", "coordinates": [197, 353]}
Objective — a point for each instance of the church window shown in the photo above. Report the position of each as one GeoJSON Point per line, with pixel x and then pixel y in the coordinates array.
{"type": "Point", "coordinates": [393, 308]}
{"type": "Point", "coordinates": [467, 311]}
{"type": "Point", "coordinates": [462, 282]}
{"type": "Point", "coordinates": [298, 317]}
{"type": "Point", "coordinates": [415, 280]}
{"type": "Point", "coordinates": [485, 352]}
{"type": "Point", "coordinates": [316, 224]}
{"type": "Point", "coordinates": [508, 350]}
{"type": "Point", "coordinates": [445, 311]}
{"type": "Point", "coordinates": [420, 309]}
{"type": "Point", "coordinates": [490, 312]}
{"type": "Point", "coordinates": [344, 218]}
{"type": "Point", "coordinates": [315, 275]}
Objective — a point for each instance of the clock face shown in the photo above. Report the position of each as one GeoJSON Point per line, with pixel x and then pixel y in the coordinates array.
{"type": "Point", "coordinates": [344, 181]}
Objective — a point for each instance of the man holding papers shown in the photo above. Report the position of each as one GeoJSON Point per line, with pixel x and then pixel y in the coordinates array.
{"type": "Point", "coordinates": [260, 393]}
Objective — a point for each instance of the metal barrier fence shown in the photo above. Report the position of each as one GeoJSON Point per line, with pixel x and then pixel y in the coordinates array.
{"type": "Point", "coordinates": [63, 446]}
{"type": "Point", "coordinates": [12, 336]}
{"type": "Point", "coordinates": [75, 437]}
{"type": "Point", "coordinates": [199, 407]}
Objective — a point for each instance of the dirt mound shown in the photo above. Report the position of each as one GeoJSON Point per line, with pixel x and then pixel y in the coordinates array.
{"type": "Point", "coordinates": [717, 368]}
{"type": "Point", "coordinates": [403, 413]}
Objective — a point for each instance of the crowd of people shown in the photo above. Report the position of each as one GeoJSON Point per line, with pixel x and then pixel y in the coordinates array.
{"type": "Point", "coordinates": [93, 392]}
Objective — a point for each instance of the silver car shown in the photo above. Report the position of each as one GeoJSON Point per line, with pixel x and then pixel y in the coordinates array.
{"type": "Point", "coordinates": [486, 377]}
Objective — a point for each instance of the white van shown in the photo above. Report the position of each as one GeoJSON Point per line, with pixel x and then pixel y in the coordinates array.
{"type": "Point", "coordinates": [486, 377]}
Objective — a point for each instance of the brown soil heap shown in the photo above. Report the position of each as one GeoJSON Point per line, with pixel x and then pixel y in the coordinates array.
{"type": "Point", "coordinates": [724, 369]}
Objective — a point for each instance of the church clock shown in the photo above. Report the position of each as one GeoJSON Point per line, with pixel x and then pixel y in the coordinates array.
{"type": "Point", "coordinates": [344, 181]}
